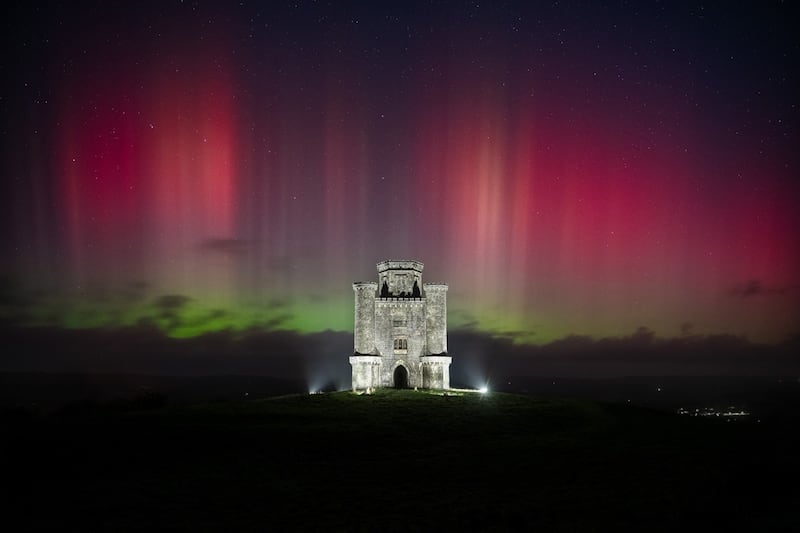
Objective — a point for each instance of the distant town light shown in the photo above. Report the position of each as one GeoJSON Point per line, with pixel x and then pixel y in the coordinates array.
{"type": "Point", "coordinates": [731, 413]}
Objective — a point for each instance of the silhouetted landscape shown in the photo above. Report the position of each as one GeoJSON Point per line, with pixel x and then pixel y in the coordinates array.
{"type": "Point", "coordinates": [763, 397]}
{"type": "Point", "coordinates": [396, 460]}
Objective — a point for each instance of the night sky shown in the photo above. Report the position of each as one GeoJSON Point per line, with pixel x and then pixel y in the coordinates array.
{"type": "Point", "coordinates": [569, 169]}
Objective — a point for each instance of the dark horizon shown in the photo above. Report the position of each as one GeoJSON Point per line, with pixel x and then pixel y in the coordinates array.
{"type": "Point", "coordinates": [477, 356]}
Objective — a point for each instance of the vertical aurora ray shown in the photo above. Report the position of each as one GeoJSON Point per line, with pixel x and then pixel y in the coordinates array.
{"type": "Point", "coordinates": [99, 166]}
{"type": "Point", "coordinates": [252, 173]}
{"type": "Point", "coordinates": [191, 180]}
{"type": "Point", "coordinates": [558, 224]}
{"type": "Point", "coordinates": [146, 180]}
{"type": "Point", "coordinates": [345, 179]}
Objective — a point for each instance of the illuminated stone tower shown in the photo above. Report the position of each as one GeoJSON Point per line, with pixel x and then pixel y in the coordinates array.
{"type": "Point", "coordinates": [400, 336]}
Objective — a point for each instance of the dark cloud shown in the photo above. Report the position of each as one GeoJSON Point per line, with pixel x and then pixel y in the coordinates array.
{"type": "Point", "coordinates": [275, 322]}
{"type": "Point", "coordinates": [753, 288]}
{"type": "Point", "coordinates": [572, 343]}
{"type": "Point", "coordinates": [276, 303]}
{"type": "Point", "coordinates": [514, 334]}
{"type": "Point", "coordinates": [269, 351]}
{"type": "Point", "coordinates": [225, 246]}
{"type": "Point", "coordinates": [145, 348]}
{"type": "Point", "coordinates": [134, 292]}
{"type": "Point", "coordinates": [643, 336]}
{"type": "Point", "coordinates": [271, 303]}
{"type": "Point", "coordinates": [171, 301]}
{"type": "Point", "coordinates": [641, 353]}
{"type": "Point", "coordinates": [169, 309]}
{"type": "Point", "coordinates": [319, 297]}
{"type": "Point", "coordinates": [468, 320]}
{"type": "Point", "coordinates": [216, 314]}
{"type": "Point", "coordinates": [199, 321]}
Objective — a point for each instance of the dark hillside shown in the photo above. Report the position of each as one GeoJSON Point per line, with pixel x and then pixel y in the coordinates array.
{"type": "Point", "coordinates": [397, 460]}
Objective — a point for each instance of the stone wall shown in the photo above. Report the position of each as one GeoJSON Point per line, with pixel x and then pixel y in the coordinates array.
{"type": "Point", "coordinates": [400, 318]}
{"type": "Point", "coordinates": [436, 326]}
{"type": "Point", "coordinates": [415, 317]}
{"type": "Point", "coordinates": [436, 371]}
{"type": "Point", "coordinates": [364, 327]}
{"type": "Point", "coordinates": [366, 371]}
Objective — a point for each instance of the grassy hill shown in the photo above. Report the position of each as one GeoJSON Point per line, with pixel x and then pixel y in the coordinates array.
{"type": "Point", "coordinates": [397, 460]}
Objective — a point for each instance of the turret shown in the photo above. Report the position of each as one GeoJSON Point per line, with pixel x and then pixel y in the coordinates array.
{"type": "Point", "coordinates": [364, 334]}
{"type": "Point", "coordinates": [400, 279]}
{"type": "Point", "coordinates": [436, 326]}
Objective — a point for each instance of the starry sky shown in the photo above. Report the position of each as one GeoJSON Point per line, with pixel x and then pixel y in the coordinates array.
{"type": "Point", "coordinates": [568, 168]}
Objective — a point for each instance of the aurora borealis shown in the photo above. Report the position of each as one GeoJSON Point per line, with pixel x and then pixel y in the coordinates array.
{"type": "Point", "coordinates": [567, 169]}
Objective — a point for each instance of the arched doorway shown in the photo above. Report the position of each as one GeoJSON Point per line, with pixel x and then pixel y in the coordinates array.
{"type": "Point", "coordinates": [400, 377]}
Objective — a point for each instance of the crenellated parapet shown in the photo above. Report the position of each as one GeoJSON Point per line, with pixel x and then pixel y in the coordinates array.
{"type": "Point", "coordinates": [405, 264]}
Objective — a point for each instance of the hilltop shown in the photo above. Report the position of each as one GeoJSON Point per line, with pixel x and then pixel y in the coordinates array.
{"type": "Point", "coordinates": [397, 460]}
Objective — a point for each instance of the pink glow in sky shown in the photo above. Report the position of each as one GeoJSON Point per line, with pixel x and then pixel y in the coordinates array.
{"type": "Point", "coordinates": [565, 172]}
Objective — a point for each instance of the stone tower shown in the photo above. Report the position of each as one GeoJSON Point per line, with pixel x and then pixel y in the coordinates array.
{"type": "Point", "coordinates": [400, 336]}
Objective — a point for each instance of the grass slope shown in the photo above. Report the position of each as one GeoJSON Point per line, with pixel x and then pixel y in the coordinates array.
{"type": "Point", "coordinates": [398, 461]}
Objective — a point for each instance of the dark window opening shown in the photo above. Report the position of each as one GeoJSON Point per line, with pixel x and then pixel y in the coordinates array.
{"type": "Point", "coordinates": [415, 291]}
